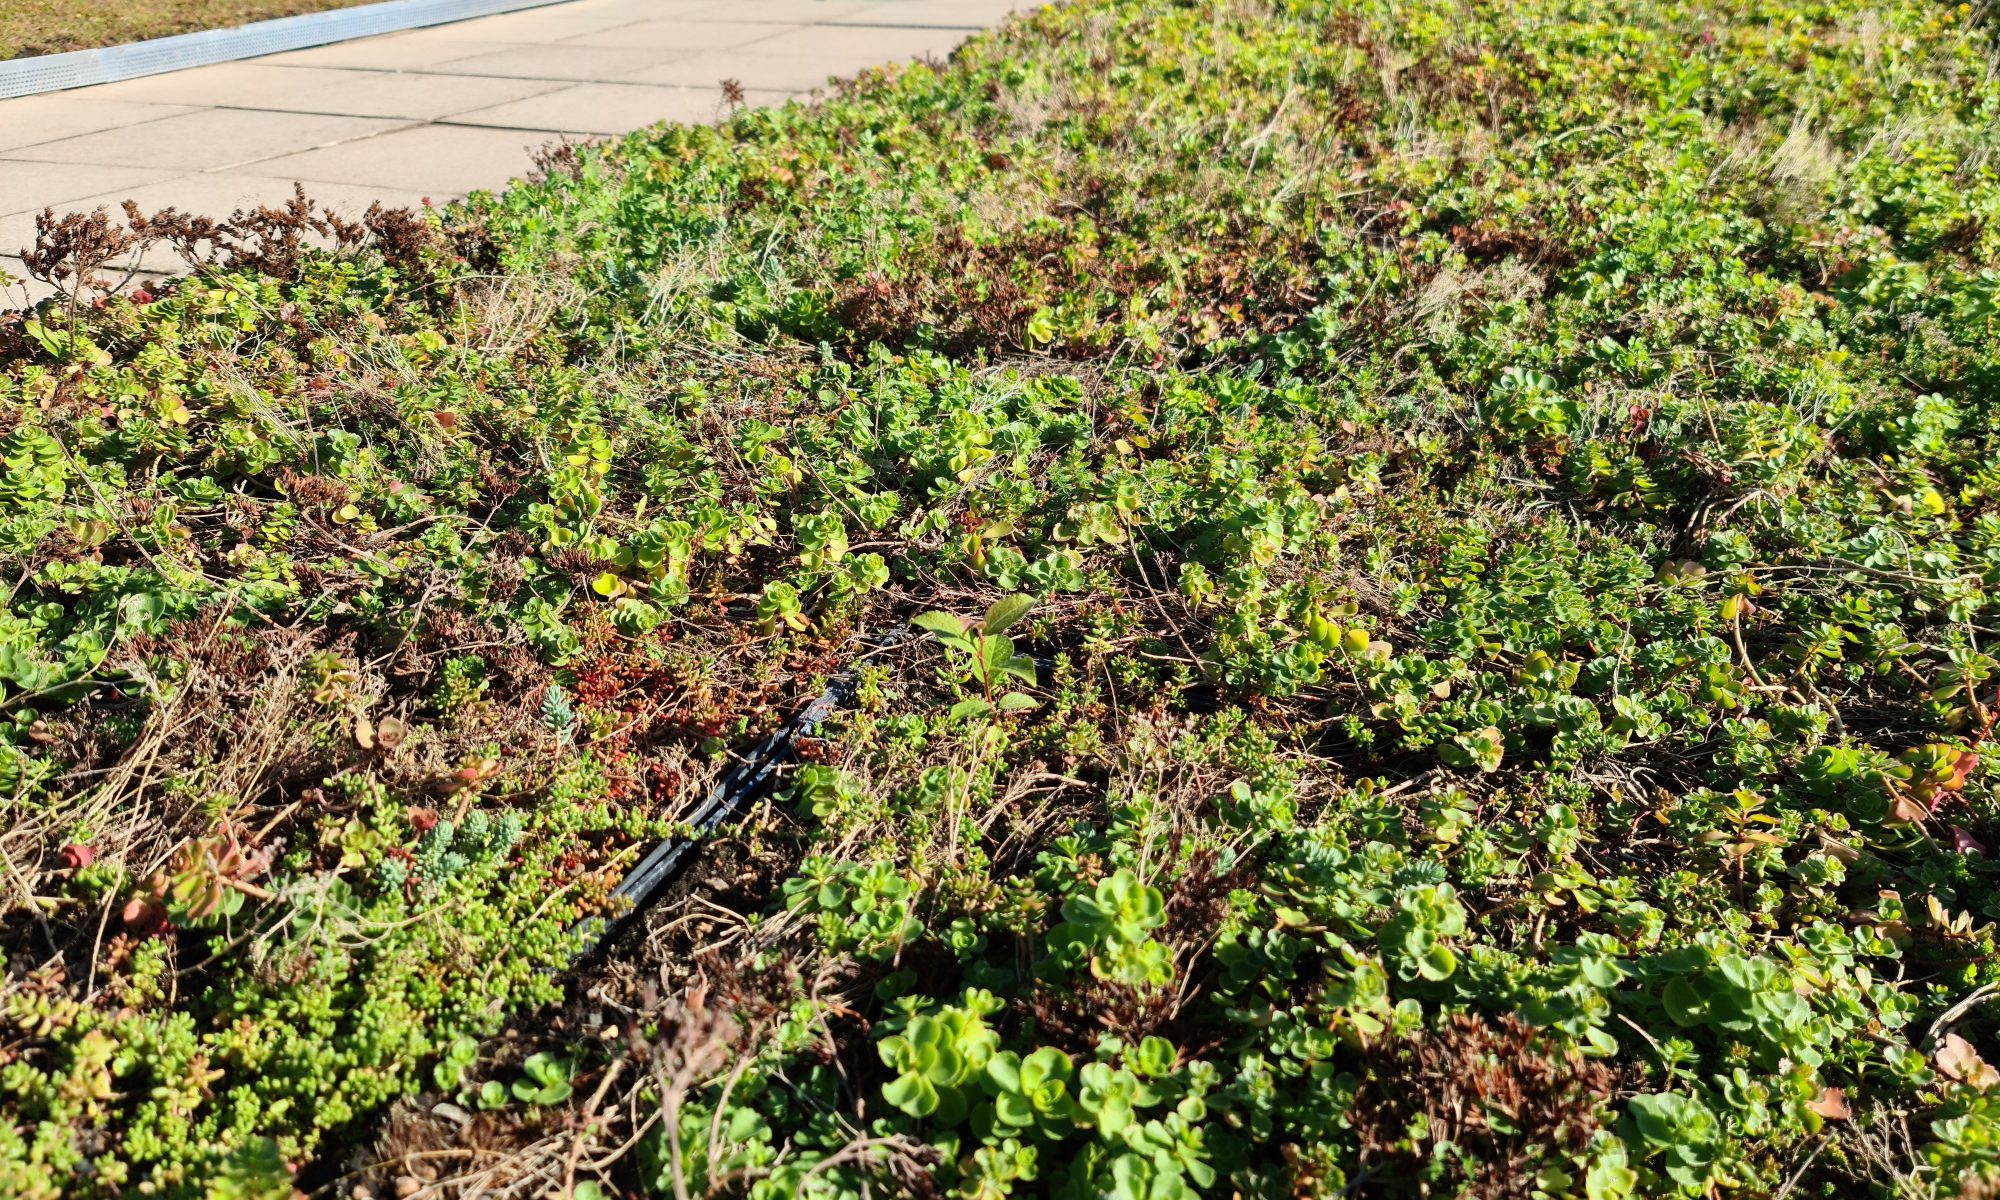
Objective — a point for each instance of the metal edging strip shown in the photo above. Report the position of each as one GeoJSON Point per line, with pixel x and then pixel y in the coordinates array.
{"type": "Point", "coordinates": [82, 68]}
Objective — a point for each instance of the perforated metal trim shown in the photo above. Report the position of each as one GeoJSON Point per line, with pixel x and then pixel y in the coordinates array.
{"type": "Point", "coordinates": [81, 68]}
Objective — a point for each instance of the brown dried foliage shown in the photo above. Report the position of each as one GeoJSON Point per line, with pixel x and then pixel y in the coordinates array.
{"type": "Point", "coordinates": [1498, 1090]}
{"type": "Point", "coordinates": [273, 239]}
{"type": "Point", "coordinates": [1076, 1016]}
{"type": "Point", "coordinates": [974, 299]}
{"type": "Point", "coordinates": [557, 159]}
{"type": "Point", "coordinates": [71, 252]}
{"type": "Point", "coordinates": [1198, 900]}
{"type": "Point", "coordinates": [692, 1031]}
{"type": "Point", "coordinates": [79, 253]}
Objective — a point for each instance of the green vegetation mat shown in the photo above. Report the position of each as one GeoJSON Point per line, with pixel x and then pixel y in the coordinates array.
{"type": "Point", "coordinates": [1454, 550]}
{"type": "Point", "coordinates": [32, 27]}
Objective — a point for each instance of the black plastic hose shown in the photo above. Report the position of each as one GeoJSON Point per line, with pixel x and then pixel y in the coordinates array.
{"type": "Point", "coordinates": [727, 798]}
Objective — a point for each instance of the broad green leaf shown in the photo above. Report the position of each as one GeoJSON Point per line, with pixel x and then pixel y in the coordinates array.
{"type": "Point", "coordinates": [968, 708]}
{"type": "Point", "coordinates": [941, 623]}
{"type": "Point", "coordinates": [1006, 612]}
{"type": "Point", "coordinates": [1004, 1069]}
{"type": "Point", "coordinates": [1437, 962]}
{"type": "Point", "coordinates": [1014, 1109]}
{"type": "Point", "coordinates": [913, 1094]}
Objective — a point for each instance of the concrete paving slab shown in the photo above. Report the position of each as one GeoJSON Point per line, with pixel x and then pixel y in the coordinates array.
{"type": "Point", "coordinates": [935, 14]}
{"type": "Point", "coordinates": [690, 37]}
{"type": "Point", "coordinates": [32, 119]}
{"type": "Point", "coordinates": [804, 59]}
{"type": "Point", "coordinates": [562, 60]}
{"type": "Point", "coordinates": [861, 46]}
{"type": "Point", "coordinates": [603, 109]}
{"type": "Point", "coordinates": [557, 21]}
{"type": "Point", "coordinates": [17, 234]}
{"type": "Point", "coordinates": [416, 50]}
{"type": "Point", "coordinates": [781, 12]}
{"type": "Point", "coordinates": [29, 187]}
{"type": "Point", "coordinates": [361, 93]}
{"type": "Point", "coordinates": [439, 161]}
{"type": "Point", "coordinates": [206, 140]}
{"type": "Point", "coordinates": [213, 82]}
{"type": "Point", "coordinates": [219, 195]}
{"type": "Point", "coordinates": [709, 70]}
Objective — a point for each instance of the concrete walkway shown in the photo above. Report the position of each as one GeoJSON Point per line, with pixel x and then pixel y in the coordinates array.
{"type": "Point", "coordinates": [436, 112]}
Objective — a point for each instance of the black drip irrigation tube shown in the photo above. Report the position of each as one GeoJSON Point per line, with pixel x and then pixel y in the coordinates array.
{"type": "Point", "coordinates": [727, 798]}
